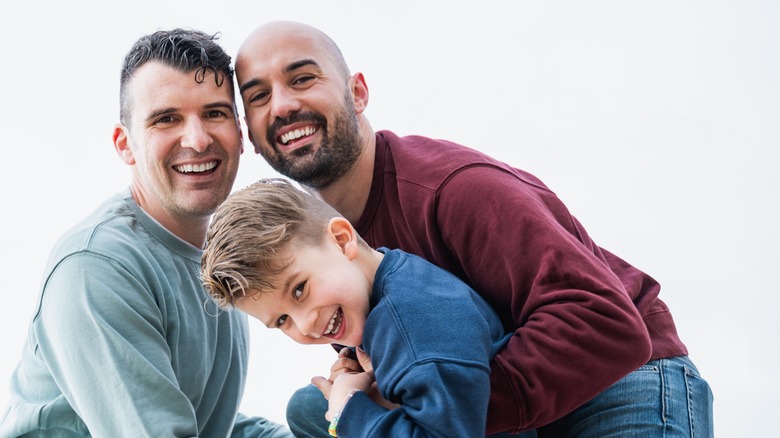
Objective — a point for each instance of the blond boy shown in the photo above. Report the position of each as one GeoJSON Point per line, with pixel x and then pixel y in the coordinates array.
{"type": "Point", "coordinates": [293, 262]}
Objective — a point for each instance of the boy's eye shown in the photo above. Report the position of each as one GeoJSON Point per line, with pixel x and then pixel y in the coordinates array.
{"type": "Point", "coordinates": [282, 319]}
{"type": "Point", "coordinates": [298, 291]}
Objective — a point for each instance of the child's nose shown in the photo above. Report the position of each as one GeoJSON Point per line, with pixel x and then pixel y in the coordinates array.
{"type": "Point", "coordinates": [307, 324]}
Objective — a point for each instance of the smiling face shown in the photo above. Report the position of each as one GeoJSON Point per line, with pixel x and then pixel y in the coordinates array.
{"type": "Point", "coordinates": [183, 143]}
{"type": "Point", "coordinates": [300, 110]}
{"type": "Point", "coordinates": [322, 296]}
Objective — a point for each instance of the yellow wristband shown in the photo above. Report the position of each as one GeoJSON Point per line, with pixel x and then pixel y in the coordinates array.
{"type": "Point", "coordinates": [335, 421]}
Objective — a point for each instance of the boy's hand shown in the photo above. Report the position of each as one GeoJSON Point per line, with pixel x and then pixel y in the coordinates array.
{"type": "Point", "coordinates": [343, 387]}
{"type": "Point", "coordinates": [346, 365]}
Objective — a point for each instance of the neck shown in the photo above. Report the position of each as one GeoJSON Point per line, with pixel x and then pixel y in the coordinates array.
{"type": "Point", "coordinates": [349, 194]}
{"type": "Point", "coordinates": [190, 229]}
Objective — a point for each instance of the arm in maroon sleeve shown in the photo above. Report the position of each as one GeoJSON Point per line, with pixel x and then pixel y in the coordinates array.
{"type": "Point", "coordinates": [576, 330]}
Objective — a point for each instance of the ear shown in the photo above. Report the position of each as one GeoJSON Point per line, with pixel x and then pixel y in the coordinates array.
{"type": "Point", "coordinates": [359, 92]}
{"type": "Point", "coordinates": [122, 144]}
{"type": "Point", "coordinates": [345, 236]}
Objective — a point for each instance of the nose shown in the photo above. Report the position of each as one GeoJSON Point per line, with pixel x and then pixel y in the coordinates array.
{"type": "Point", "coordinates": [195, 135]}
{"type": "Point", "coordinates": [306, 321]}
{"type": "Point", "coordinates": [283, 103]}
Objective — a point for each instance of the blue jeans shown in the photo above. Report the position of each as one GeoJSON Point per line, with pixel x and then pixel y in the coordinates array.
{"type": "Point", "coordinates": [663, 398]}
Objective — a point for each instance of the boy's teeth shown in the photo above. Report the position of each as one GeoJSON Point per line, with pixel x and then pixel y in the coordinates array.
{"type": "Point", "coordinates": [333, 319]}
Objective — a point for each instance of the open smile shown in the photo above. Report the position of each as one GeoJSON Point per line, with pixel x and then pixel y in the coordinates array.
{"type": "Point", "coordinates": [335, 325]}
{"type": "Point", "coordinates": [196, 168]}
{"type": "Point", "coordinates": [296, 134]}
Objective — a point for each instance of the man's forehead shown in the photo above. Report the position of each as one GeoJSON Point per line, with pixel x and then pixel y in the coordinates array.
{"type": "Point", "coordinates": [155, 73]}
{"type": "Point", "coordinates": [156, 85]}
{"type": "Point", "coordinates": [279, 51]}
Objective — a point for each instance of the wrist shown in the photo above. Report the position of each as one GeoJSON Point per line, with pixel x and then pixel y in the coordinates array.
{"type": "Point", "coordinates": [334, 422]}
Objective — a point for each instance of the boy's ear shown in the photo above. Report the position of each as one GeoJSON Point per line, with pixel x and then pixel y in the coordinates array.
{"type": "Point", "coordinates": [344, 235]}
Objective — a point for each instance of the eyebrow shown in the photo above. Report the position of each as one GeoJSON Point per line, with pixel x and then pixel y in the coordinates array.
{"type": "Point", "coordinates": [229, 106]}
{"type": "Point", "coordinates": [160, 112]}
{"type": "Point", "coordinates": [172, 110]}
{"type": "Point", "coordinates": [290, 68]}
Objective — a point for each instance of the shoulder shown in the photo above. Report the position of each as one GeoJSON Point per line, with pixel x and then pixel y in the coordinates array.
{"type": "Point", "coordinates": [433, 163]}
{"type": "Point", "coordinates": [112, 237]}
{"type": "Point", "coordinates": [107, 227]}
{"type": "Point", "coordinates": [421, 302]}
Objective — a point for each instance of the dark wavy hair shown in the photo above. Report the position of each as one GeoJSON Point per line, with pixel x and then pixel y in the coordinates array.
{"type": "Point", "coordinates": [186, 50]}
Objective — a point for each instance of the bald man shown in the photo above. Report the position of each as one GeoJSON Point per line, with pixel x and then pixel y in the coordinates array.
{"type": "Point", "coordinates": [594, 352]}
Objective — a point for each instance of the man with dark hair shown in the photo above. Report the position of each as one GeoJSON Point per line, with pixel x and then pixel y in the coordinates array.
{"type": "Point", "coordinates": [124, 341]}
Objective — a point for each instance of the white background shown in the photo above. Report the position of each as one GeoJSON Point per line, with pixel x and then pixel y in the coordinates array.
{"type": "Point", "coordinates": [656, 122]}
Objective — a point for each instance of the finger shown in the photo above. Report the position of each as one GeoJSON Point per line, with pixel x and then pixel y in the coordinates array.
{"type": "Point", "coordinates": [343, 362]}
{"type": "Point", "coordinates": [364, 359]}
{"type": "Point", "coordinates": [323, 384]}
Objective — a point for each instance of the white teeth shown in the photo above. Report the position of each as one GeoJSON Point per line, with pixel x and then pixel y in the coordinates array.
{"type": "Point", "coordinates": [296, 133]}
{"type": "Point", "coordinates": [331, 330]}
{"type": "Point", "coordinates": [189, 168]}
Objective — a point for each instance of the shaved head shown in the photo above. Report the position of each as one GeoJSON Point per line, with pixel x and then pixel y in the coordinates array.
{"type": "Point", "coordinates": [303, 108]}
{"type": "Point", "coordinates": [277, 34]}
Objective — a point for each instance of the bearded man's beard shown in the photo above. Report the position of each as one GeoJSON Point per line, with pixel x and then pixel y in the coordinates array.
{"type": "Point", "coordinates": [338, 152]}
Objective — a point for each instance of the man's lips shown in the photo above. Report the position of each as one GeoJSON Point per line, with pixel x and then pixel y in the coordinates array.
{"type": "Point", "coordinates": [294, 134]}
{"type": "Point", "coordinates": [196, 168]}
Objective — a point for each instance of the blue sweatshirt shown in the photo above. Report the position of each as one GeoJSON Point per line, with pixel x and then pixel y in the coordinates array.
{"type": "Point", "coordinates": [431, 339]}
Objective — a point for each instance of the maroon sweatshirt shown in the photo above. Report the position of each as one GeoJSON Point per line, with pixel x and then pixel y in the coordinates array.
{"type": "Point", "coordinates": [582, 318]}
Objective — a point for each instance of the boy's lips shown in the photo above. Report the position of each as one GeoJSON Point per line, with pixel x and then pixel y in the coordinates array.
{"type": "Point", "coordinates": [335, 325]}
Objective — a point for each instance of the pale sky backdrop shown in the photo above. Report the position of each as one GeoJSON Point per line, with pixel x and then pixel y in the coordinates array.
{"type": "Point", "coordinates": [656, 122]}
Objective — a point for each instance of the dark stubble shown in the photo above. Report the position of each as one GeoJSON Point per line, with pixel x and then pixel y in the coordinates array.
{"type": "Point", "coordinates": [318, 167]}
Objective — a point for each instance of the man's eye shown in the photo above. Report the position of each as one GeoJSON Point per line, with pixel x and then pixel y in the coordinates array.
{"type": "Point", "coordinates": [302, 80]}
{"type": "Point", "coordinates": [282, 319]}
{"type": "Point", "coordinates": [298, 291]}
{"type": "Point", "coordinates": [257, 97]}
{"type": "Point", "coordinates": [164, 120]}
{"type": "Point", "coordinates": [215, 113]}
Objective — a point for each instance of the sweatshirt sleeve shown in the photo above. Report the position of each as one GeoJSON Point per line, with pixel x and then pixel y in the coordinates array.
{"type": "Point", "coordinates": [576, 330]}
{"type": "Point", "coordinates": [430, 339]}
{"type": "Point", "coordinates": [440, 399]}
{"type": "Point", "coordinates": [102, 335]}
